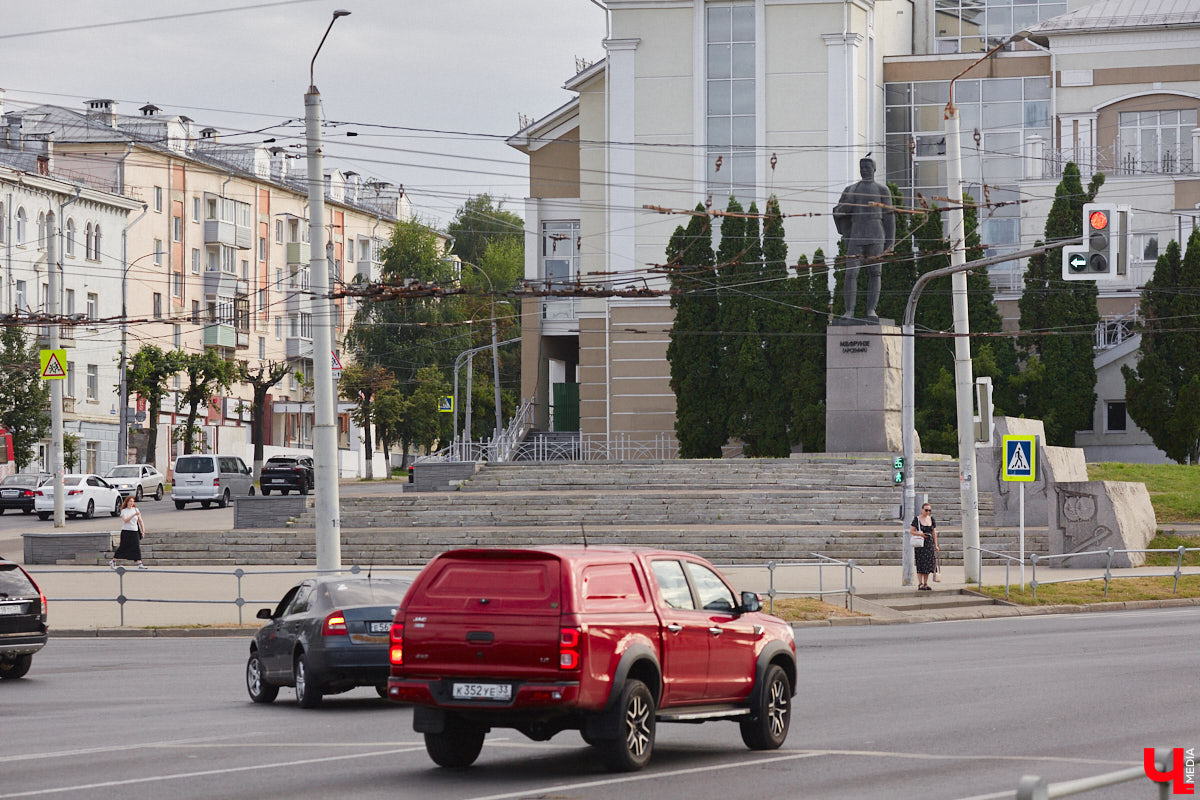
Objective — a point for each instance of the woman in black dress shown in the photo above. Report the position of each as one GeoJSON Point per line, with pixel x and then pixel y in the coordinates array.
{"type": "Point", "coordinates": [926, 556]}
{"type": "Point", "coordinates": [131, 534]}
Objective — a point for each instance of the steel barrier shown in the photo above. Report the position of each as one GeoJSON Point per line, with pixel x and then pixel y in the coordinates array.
{"type": "Point", "coordinates": [820, 564]}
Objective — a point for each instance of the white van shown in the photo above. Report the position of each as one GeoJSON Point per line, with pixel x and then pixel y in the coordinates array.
{"type": "Point", "coordinates": [209, 479]}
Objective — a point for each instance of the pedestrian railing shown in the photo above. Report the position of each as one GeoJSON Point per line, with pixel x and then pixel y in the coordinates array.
{"type": "Point", "coordinates": [1107, 576]}
{"type": "Point", "coordinates": [820, 564]}
{"type": "Point", "coordinates": [1034, 787]}
{"type": "Point", "coordinates": [238, 598]}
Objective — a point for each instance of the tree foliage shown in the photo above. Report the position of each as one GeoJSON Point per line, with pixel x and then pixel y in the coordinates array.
{"type": "Point", "coordinates": [146, 374]}
{"type": "Point", "coordinates": [261, 379]}
{"type": "Point", "coordinates": [1162, 393]}
{"type": "Point", "coordinates": [482, 221]}
{"type": "Point", "coordinates": [1060, 318]}
{"type": "Point", "coordinates": [24, 396]}
{"type": "Point", "coordinates": [207, 374]}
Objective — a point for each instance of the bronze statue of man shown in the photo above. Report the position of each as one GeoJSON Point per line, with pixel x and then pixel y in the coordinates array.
{"type": "Point", "coordinates": [864, 218]}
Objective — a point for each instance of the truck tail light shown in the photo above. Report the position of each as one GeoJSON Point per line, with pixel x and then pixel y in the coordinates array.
{"type": "Point", "coordinates": [568, 648]}
{"type": "Point", "coordinates": [396, 651]}
{"type": "Point", "coordinates": [335, 625]}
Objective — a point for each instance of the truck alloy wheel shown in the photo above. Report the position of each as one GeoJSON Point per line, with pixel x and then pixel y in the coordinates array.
{"type": "Point", "coordinates": [630, 751]}
{"type": "Point", "coordinates": [767, 727]}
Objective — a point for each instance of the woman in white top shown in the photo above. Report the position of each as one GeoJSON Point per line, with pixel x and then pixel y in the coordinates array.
{"type": "Point", "coordinates": [131, 534]}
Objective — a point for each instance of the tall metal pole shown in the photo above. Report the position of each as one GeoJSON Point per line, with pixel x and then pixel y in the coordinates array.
{"type": "Point", "coordinates": [963, 381]}
{"type": "Point", "coordinates": [56, 387]}
{"type": "Point", "coordinates": [325, 454]}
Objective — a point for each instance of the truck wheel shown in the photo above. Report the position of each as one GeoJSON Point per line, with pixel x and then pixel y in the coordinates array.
{"type": "Point", "coordinates": [767, 726]}
{"type": "Point", "coordinates": [256, 682]}
{"type": "Point", "coordinates": [179, 504]}
{"type": "Point", "coordinates": [43, 515]}
{"type": "Point", "coordinates": [17, 667]}
{"type": "Point", "coordinates": [630, 751]}
{"type": "Point", "coordinates": [308, 693]}
{"type": "Point", "coordinates": [457, 746]}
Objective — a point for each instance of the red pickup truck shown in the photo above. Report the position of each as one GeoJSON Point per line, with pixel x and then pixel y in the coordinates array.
{"type": "Point", "coordinates": [604, 640]}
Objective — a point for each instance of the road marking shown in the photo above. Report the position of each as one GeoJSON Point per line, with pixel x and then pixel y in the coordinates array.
{"type": "Point", "coordinates": [208, 772]}
{"type": "Point", "coordinates": [566, 787]}
{"type": "Point", "coordinates": [87, 750]}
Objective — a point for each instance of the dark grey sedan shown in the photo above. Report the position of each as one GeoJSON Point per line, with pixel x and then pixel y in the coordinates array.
{"type": "Point", "coordinates": [327, 635]}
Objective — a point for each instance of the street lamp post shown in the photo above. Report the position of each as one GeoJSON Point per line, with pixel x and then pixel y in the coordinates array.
{"type": "Point", "coordinates": [328, 522]}
{"type": "Point", "coordinates": [123, 418]}
{"type": "Point", "coordinates": [495, 358]}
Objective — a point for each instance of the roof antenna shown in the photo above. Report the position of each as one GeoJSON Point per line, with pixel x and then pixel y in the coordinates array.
{"type": "Point", "coordinates": [583, 533]}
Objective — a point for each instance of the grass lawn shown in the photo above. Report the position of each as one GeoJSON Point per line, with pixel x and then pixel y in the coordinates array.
{"type": "Point", "coordinates": [1174, 488]}
{"type": "Point", "coordinates": [1165, 540]}
{"type": "Point", "coordinates": [808, 609]}
{"type": "Point", "coordinates": [1083, 592]}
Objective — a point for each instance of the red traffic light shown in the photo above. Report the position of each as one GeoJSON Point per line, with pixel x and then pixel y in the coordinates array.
{"type": "Point", "coordinates": [1098, 220]}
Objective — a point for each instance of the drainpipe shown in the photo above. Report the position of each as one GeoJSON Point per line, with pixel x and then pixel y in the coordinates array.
{"type": "Point", "coordinates": [7, 223]}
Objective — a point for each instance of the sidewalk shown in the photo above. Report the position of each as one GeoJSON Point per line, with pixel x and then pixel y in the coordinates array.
{"type": "Point", "coordinates": [85, 598]}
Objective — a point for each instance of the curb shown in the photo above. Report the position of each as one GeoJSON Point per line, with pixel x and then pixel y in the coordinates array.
{"type": "Point", "coordinates": [149, 633]}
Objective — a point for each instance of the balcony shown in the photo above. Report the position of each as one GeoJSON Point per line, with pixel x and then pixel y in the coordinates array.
{"type": "Point", "coordinates": [299, 252]}
{"type": "Point", "coordinates": [221, 335]}
{"type": "Point", "coordinates": [243, 340]}
{"type": "Point", "coordinates": [66, 336]}
{"type": "Point", "coordinates": [223, 284]}
{"type": "Point", "coordinates": [296, 347]}
{"type": "Point", "coordinates": [367, 268]}
{"type": "Point", "coordinates": [68, 405]}
{"type": "Point", "coordinates": [297, 301]}
{"type": "Point", "coordinates": [219, 231]}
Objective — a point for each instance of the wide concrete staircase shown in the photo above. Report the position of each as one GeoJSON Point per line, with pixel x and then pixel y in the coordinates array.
{"type": "Point", "coordinates": [731, 511]}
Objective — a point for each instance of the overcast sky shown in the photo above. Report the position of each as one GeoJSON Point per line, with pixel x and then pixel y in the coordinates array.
{"type": "Point", "coordinates": [452, 65]}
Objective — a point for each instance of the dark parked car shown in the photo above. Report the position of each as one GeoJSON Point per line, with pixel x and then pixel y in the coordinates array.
{"type": "Point", "coordinates": [285, 473]}
{"type": "Point", "coordinates": [22, 620]}
{"type": "Point", "coordinates": [18, 491]}
{"type": "Point", "coordinates": [326, 636]}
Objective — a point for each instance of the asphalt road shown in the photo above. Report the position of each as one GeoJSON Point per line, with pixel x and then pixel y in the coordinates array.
{"type": "Point", "coordinates": [929, 711]}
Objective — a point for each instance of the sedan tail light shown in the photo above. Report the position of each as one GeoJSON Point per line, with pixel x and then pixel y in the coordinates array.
{"type": "Point", "coordinates": [568, 648]}
{"type": "Point", "coordinates": [43, 596]}
{"type": "Point", "coordinates": [396, 651]}
{"type": "Point", "coordinates": [73, 492]}
{"type": "Point", "coordinates": [335, 625]}
{"type": "Point", "coordinates": [29, 493]}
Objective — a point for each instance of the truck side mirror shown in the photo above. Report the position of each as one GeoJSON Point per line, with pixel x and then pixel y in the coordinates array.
{"type": "Point", "coordinates": [750, 603]}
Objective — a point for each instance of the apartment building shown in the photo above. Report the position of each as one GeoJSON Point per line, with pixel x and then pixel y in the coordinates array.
{"type": "Point", "coordinates": [697, 101]}
{"type": "Point", "coordinates": [217, 256]}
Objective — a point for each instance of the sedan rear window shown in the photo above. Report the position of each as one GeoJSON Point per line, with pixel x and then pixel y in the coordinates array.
{"type": "Point", "coordinates": [125, 472]}
{"type": "Point", "coordinates": [13, 582]}
{"type": "Point", "coordinates": [367, 593]}
{"type": "Point", "coordinates": [71, 480]}
{"type": "Point", "coordinates": [194, 464]}
{"type": "Point", "coordinates": [20, 480]}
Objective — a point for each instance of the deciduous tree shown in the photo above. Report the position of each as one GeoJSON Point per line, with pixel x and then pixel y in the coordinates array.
{"type": "Point", "coordinates": [261, 378]}
{"type": "Point", "coordinates": [147, 374]}
{"type": "Point", "coordinates": [207, 374]}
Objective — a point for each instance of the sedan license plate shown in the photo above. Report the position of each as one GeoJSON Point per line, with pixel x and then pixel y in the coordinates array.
{"type": "Point", "coordinates": [9, 493]}
{"type": "Point", "coordinates": [12, 608]}
{"type": "Point", "coordinates": [482, 691]}
{"type": "Point", "coordinates": [279, 480]}
{"type": "Point", "coordinates": [379, 627]}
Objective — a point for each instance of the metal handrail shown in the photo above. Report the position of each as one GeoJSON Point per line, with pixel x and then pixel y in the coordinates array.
{"type": "Point", "coordinates": [1034, 787]}
{"type": "Point", "coordinates": [1008, 559]}
{"type": "Point", "coordinates": [1034, 558]}
{"type": "Point", "coordinates": [821, 562]}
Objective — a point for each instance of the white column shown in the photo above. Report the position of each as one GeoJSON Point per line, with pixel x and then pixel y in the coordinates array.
{"type": "Point", "coordinates": [621, 157]}
{"type": "Point", "coordinates": [1035, 151]}
{"type": "Point", "coordinates": [842, 116]}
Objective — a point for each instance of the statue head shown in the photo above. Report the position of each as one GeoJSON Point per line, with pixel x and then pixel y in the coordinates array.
{"type": "Point", "coordinates": [866, 168]}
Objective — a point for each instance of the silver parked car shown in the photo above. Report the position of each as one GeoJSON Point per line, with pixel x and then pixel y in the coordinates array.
{"type": "Point", "coordinates": [137, 480]}
{"type": "Point", "coordinates": [208, 479]}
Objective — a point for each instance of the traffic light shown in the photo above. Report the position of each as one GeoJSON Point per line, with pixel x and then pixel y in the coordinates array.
{"type": "Point", "coordinates": [1104, 250]}
{"type": "Point", "coordinates": [898, 467]}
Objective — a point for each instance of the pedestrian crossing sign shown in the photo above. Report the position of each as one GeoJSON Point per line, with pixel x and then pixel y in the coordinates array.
{"type": "Point", "coordinates": [446, 404]}
{"type": "Point", "coordinates": [53, 365]}
{"type": "Point", "coordinates": [1020, 458]}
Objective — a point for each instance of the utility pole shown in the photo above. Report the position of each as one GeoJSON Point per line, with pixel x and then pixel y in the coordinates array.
{"type": "Point", "coordinates": [325, 454]}
{"type": "Point", "coordinates": [56, 389]}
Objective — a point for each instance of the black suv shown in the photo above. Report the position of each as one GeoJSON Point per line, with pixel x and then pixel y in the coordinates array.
{"type": "Point", "coordinates": [17, 491]}
{"type": "Point", "coordinates": [287, 473]}
{"type": "Point", "coordinates": [22, 620]}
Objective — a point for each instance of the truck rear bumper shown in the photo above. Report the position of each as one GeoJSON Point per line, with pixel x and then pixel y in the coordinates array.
{"type": "Point", "coordinates": [438, 692]}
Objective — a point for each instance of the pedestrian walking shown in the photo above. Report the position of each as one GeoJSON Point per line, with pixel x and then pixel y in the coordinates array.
{"type": "Point", "coordinates": [926, 555]}
{"type": "Point", "coordinates": [132, 531]}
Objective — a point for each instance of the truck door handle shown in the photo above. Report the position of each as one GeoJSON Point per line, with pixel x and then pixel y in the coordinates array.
{"type": "Point", "coordinates": [715, 631]}
{"type": "Point", "coordinates": [674, 627]}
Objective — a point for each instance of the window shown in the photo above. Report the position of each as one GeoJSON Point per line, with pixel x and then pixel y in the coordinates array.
{"type": "Point", "coordinates": [196, 312]}
{"type": "Point", "coordinates": [158, 198]}
{"type": "Point", "coordinates": [70, 379]}
{"type": "Point", "coordinates": [1156, 142]}
{"type": "Point", "coordinates": [228, 259]}
{"type": "Point", "coordinates": [20, 226]}
{"type": "Point", "coordinates": [214, 259]}
{"type": "Point", "coordinates": [673, 584]}
{"type": "Point", "coordinates": [96, 245]}
{"type": "Point", "coordinates": [262, 349]}
{"type": "Point", "coordinates": [176, 336]}
{"type": "Point", "coordinates": [714, 594]}
{"type": "Point", "coordinates": [91, 455]}
{"type": "Point", "coordinates": [305, 326]}
{"type": "Point", "coordinates": [88, 243]}
{"type": "Point", "coordinates": [158, 252]}
{"type": "Point", "coordinates": [69, 236]}
{"type": "Point", "coordinates": [177, 284]}
{"type": "Point", "coordinates": [195, 209]}
{"type": "Point", "coordinates": [278, 277]}
{"type": "Point", "coordinates": [195, 261]}
{"type": "Point", "coordinates": [731, 124]}
{"type": "Point", "coordinates": [262, 299]}
{"type": "Point", "coordinates": [210, 208]}
{"type": "Point", "coordinates": [175, 382]}
{"type": "Point", "coordinates": [293, 230]}
{"type": "Point", "coordinates": [246, 267]}
{"type": "Point", "coordinates": [1115, 417]}
{"type": "Point", "coordinates": [1145, 246]}
{"type": "Point", "coordinates": [93, 381]}
{"type": "Point", "coordinates": [93, 301]}
{"type": "Point", "coordinates": [3, 219]}
{"type": "Point", "coordinates": [20, 295]}
{"type": "Point", "coordinates": [176, 229]}
{"type": "Point", "coordinates": [279, 231]}
{"type": "Point", "coordinates": [262, 248]}
{"type": "Point", "coordinates": [45, 303]}
{"type": "Point", "coordinates": [70, 301]}
{"type": "Point", "coordinates": [157, 305]}
{"type": "Point", "coordinates": [279, 327]}
{"type": "Point", "coordinates": [560, 253]}
{"type": "Point", "coordinates": [293, 326]}
{"type": "Point", "coordinates": [976, 26]}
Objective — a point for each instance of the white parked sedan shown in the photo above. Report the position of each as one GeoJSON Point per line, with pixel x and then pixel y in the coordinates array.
{"type": "Point", "coordinates": [83, 494]}
{"type": "Point", "coordinates": [137, 480]}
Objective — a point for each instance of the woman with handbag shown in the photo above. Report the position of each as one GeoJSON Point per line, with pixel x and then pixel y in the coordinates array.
{"type": "Point", "coordinates": [132, 530]}
{"type": "Point", "coordinates": [924, 528]}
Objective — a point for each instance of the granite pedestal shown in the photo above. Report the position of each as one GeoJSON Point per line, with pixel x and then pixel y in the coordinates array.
{"type": "Point", "coordinates": [863, 390]}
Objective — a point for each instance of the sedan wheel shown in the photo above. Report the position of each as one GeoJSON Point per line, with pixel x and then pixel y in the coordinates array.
{"type": "Point", "coordinates": [266, 491]}
{"type": "Point", "coordinates": [116, 512]}
{"type": "Point", "coordinates": [91, 510]}
{"type": "Point", "coordinates": [17, 667]}
{"type": "Point", "coordinates": [260, 691]}
{"type": "Point", "coordinates": [158, 493]}
{"type": "Point", "coordinates": [137, 495]}
{"type": "Point", "coordinates": [308, 694]}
